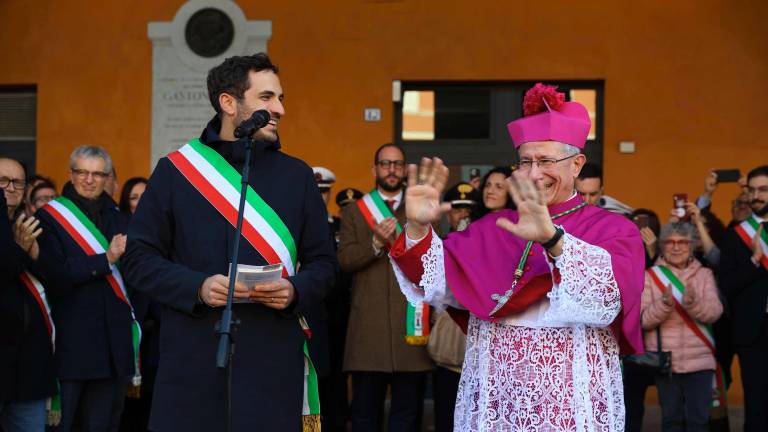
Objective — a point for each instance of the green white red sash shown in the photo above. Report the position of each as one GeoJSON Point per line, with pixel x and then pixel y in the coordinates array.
{"type": "Point", "coordinates": [747, 230]}
{"type": "Point", "coordinates": [219, 183]}
{"type": "Point", "coordinates": [93, 242]}
{"type": "Point", "coordinates": [310, 410]}
{"type": "Point", "coordinates": [662, 278]}
{"type": "Point", "coordinates": [374, 211]}
{"type": "Point", "coordinates": [38, 293]}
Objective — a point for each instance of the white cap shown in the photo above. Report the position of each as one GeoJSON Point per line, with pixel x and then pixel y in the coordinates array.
{"type": "Point", "coordinates": [324, 177]}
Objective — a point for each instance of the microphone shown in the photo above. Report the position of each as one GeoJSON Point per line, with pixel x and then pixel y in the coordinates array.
{"type": "Point", "coordinates": [258, 120]}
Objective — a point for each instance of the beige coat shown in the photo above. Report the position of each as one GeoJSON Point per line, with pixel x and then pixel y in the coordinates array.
{"type": "Point", "coordinates": [376, 332]}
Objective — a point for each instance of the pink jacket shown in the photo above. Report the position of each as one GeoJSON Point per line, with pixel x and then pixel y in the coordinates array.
{"type": "Point", "coordinates": [689, 353]}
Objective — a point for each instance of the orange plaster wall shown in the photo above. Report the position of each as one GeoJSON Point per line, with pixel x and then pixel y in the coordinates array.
{"type": "Point", "coordinates": [685, 80]}
{"type": "Point", "coordinates": [682, 79]}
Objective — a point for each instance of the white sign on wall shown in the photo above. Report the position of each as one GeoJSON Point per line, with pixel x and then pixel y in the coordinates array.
{"type": "Point", "coordinates": [202, 34]}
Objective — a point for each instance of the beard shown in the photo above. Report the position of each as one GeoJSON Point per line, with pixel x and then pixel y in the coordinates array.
{"type": "Point", "coordinates": [382, 183]}
{"type": "Point", "coordinates": [762, 211]}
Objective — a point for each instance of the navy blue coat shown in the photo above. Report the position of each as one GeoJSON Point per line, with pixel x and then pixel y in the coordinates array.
{"type": "Point", "coordinates": [26, 357]}
{"type": "Point", "coordinates": [93, 326]}
{"type": "Point", "coordinates": [175, 241]}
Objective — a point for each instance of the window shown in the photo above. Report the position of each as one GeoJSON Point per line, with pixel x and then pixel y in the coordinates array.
{"type": "Point", "coordinates": [465, 123]}
{"type": "Point", "coordinates": [18, 125]}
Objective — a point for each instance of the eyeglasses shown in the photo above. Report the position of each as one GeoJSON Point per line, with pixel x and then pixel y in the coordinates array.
{"type": "Point", "coordinates": [545, 163]}
{"type": "Point", "coordinates": [386, 164]}
{"type": "Point", "coordinates": [43, 199]}
{"type": "Point", "coordinates": [678, 243]}
{"type": "Point", "coordinates": [81, 174]}
{"type": "Point", "coordinates": [760, 189]}
{"type": "Point", "coordinates": [17, 183]}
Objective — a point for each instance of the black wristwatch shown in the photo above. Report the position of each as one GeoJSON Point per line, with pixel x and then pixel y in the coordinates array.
{"type": "Point", "coordinates": [549, 244]}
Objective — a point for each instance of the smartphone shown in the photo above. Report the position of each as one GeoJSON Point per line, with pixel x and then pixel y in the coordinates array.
{"type": "Point", "coordinates": [678, 203]}
{"type": "Point", "coordinates": [641, 221]}
{"type": "Point", "coordinates": [728, 175]}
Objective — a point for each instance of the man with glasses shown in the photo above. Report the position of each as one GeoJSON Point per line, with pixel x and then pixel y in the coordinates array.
{"type": "Point", "coordinates": [377, 353]}
{"type": "Point", "coordinates": [82, 241]}
{"type": "Point", "coordinates": [744, 281]}
{"type": "Point", "coordinates": [27, 374]}
{"type": "Point", "coordinates": [40, 195]}
{"type": "Point", "coordinates": [550, 292]}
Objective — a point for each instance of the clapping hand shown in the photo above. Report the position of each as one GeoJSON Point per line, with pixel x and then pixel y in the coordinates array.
{"type": "Point", "coordinates": [689, 297]}
{"type": "Point", "coordinates": [757, 249]}
{"type": "Point", "coordinates": [422, 197]}
{"type": "Point", "coordinates": [26, 230]}
{"type": "Point", "coordinates": [116, 248]}
{"type": "Point", "coordinates": [534, 223]}
{"type": "Point", "coordinates": [384, 232]}
{"type": "Point", "coordinates": [667, 297]}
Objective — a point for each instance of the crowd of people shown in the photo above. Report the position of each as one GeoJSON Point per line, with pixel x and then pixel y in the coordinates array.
{"type": "Point", "coordinates": [109, 299]}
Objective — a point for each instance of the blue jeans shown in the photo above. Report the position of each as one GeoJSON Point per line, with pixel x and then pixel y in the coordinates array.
{"type": "Point", "coordinates": [28, 416]}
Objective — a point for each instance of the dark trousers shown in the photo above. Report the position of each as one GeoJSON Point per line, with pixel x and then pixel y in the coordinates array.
{"type": "Point", "coordinates": [92, 405]}
{"type": "Point", "coordinates": [754, 377]}
{"type": "Point", "coordinates": [685, 400]}
{"type": "Point", "coordinates": [446, 386]}
{"type": "Point", "coordinates": [334, 406]}
{"type": "Point", "coordinates": [636, 382]}
{"type": "Point", "coordinates": [369, 390]}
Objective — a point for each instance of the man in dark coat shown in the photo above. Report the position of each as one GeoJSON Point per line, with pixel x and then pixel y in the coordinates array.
{"type": "Point", "coordinates": [27, 375]}
{"type": "Point", "coordinates": [179, 251]}
{"type": "Point", "coordinates": [744, 281]}
{"type": "Point", "coordinates": [94, 348]}
{"type": "Point", "coordinates": [377, 354]}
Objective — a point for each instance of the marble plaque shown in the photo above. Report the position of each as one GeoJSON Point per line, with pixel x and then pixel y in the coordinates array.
{"type": "Point", "coordinates": [202, 34]}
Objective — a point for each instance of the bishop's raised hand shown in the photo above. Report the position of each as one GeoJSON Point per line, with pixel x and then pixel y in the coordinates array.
{"type": "Point", "coordinates": [534, 222]}
{"type": "Point", "coordinates": [422, 197]}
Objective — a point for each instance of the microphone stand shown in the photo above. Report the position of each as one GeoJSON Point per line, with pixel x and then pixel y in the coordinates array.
{"type": "Point", "coordinates": [229, 324]}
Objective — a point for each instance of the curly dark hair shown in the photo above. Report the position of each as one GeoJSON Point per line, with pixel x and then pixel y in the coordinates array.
{"type": "Point", "coordinates": [231, 77]}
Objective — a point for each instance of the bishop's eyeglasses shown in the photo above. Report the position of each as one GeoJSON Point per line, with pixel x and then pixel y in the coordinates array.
{"type": "Point", "coordinates": [544, 163]}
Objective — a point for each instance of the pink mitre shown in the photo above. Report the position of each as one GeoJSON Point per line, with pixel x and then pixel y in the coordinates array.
{"type": "Point", "coordinates": [548, 117]}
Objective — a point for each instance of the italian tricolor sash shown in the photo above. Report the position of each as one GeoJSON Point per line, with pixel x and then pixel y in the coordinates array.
{"type": "Point", "coordinates": [375, 210]}
{"type": "Point", "coordinates": [93, 242]}
{"type": "Point", "coordinates": [747, 230]}
{"type": "Point", "coordinates": [53, 404]}
{"type": "Point", "coordinates": [662, 278]}
{"type": "Point", "coordinates": [219, 183]}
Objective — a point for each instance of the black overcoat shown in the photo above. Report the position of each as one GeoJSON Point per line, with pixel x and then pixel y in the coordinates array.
{"type": "Point", "coordinates": [93, 326]}
{"type": "Point", "coordinates": [745, 285]}
{"type": "Point", "coordinates": [26, 357]}
{"type": "Point", "coordinates": [175, 241]}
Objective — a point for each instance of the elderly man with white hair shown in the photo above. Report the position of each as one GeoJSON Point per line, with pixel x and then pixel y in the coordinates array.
{"type": "Point", "coordinates": [96, 335]}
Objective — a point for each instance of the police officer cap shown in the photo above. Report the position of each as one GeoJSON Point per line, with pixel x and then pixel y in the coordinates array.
{"type": "Point", "coordinates": [324, 177]}
{"type": "Point", "coordinates": [462, 195]}
{"type": "Point", "coordinates": [348, 196]}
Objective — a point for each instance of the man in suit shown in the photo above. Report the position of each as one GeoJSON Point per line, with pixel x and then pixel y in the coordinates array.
{"type": "Point", "coordinates": [180, 246]}
{"type": "Point", "coordinates": [27, 375]}
{"type": "Point", "coordinates": [93, 318]}
{"type": "Point", "coordinates": [744, 280]}
{"type": "Point", "coordinates": [377, 354]}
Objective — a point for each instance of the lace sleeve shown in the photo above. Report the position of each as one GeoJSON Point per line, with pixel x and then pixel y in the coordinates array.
{"type": "Point", "coordinates": [587, 292]}
{"type": "Point", "coordinates": [432, 287]}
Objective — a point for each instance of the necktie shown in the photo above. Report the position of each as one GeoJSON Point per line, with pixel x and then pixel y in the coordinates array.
{"type": "Point", "coordinates": [390, 204]}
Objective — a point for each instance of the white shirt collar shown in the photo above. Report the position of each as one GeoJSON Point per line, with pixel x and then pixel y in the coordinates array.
{"type": "Point", "coordinates": [397, 198]}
